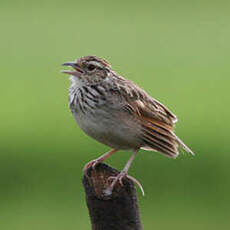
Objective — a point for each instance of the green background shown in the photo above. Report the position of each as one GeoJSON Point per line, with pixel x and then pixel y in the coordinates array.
{"type": "Point", "coordinates": [178, 51]}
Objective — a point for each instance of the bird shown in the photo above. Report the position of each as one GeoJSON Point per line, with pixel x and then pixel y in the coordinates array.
{"type": "Point", "coordinates": [116, 112]}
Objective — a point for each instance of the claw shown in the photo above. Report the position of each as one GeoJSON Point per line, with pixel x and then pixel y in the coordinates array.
{"type": "Point", "coordinates": [90, 164]}
{"type": "Point", "coordinates": [95, 162]}
{"type": "Point", "coordinates": [102, 158]}
{"type": "Point", "coordinates": [138, 183]}
{"type": "Point", "coordinates": [119, 178]}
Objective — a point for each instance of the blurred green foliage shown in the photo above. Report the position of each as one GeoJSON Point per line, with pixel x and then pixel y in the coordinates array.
{"type": "Point", "coordinates": [179, 51]}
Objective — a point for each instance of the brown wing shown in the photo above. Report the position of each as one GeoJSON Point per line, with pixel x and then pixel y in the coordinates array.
{"type": "Point", "coordinates": [156, 120]}
{"type": "Point", "coordinates": [157, 129]}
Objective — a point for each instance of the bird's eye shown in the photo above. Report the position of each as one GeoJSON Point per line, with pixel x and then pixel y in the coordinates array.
{"type": "Point", "coordinates": [91, 67]}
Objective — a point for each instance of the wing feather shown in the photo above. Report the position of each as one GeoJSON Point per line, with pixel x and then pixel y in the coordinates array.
{"type": "Point", "coordinates": [157, 121]}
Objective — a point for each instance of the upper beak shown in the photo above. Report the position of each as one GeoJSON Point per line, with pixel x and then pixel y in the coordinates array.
{"type": "Point", "coordinates": [69, 63]}
{"type": "Point", "coordinates": [78, 71]}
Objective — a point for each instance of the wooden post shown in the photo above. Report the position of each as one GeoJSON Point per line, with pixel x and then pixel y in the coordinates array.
{"type": "Point", "coordinates": [116, 211]}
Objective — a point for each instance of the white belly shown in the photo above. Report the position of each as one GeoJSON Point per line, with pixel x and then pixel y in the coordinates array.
{"type": "Point", "coordinates": [109, 129]}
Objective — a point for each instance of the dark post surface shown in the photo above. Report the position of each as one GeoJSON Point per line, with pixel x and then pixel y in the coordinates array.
{"type": "Point", "coordinates": [117, 211]}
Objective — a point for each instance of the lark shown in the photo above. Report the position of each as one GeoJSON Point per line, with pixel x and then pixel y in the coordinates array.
{"type": "Point", "coordinates": [119, 114]}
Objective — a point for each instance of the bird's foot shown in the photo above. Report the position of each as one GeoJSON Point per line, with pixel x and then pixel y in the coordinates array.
{"type": "Point", "coordinates": [119, 178]}
{"type": "Point", "coordinates": [138, 183]}
{"type": "Point", "coordinates": [92, 164]}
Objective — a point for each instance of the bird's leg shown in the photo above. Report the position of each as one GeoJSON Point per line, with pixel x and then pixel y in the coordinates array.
{"type": "Point", "coordinates": [124, 173]}
{"type": "Point", "coordinates": [100, 159]}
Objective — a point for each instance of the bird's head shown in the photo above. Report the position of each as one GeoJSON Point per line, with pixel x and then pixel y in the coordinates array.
{"type": "Point", "coordinates": [91, 67]}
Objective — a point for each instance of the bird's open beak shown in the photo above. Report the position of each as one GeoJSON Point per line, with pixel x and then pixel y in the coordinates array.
{"type": "Point", "coordinates": [77, 70]}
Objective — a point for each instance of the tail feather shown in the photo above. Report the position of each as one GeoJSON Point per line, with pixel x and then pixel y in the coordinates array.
{"type": "Point", "coordinates": [159, 139]}
{"type": "Point", "coordinates": [150, 145]}
{"type": "Point", "coordinates": [162, 139]}
{"type": "Point", "coordinates": [182, 144]}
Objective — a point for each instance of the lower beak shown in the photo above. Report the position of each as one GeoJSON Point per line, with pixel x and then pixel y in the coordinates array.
{"type": "Point", "coordinates": [77, 70]}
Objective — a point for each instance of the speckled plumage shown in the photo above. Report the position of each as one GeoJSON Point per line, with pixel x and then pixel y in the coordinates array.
{"type": "Point", "coordinates": [116, 112]}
